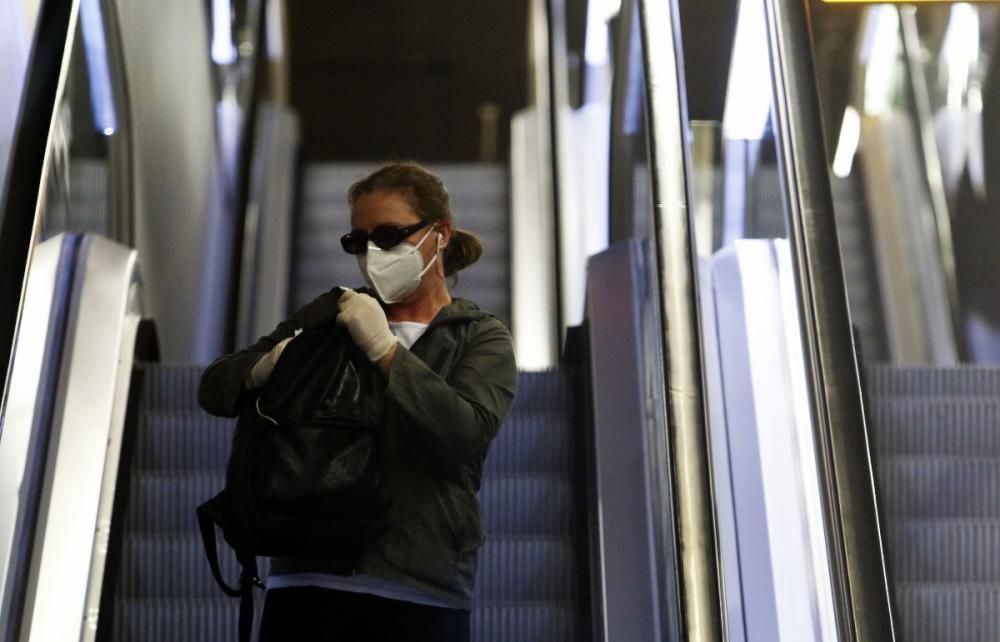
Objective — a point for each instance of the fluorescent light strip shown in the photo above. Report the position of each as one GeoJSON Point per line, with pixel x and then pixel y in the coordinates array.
{"type": "Point", "coordinates": [847, 146]}
{"type": "Point", "coordinates": [223, 49]}
{"type": "Point", "coordinates": [748, 93]}
{"type": "Point", "coordinates": [96, 53]}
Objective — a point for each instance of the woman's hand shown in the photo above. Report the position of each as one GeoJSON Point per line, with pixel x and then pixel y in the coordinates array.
{"type": "Point", "coordinates": [365, 320]}
{"type": "Point", "coordinates": [262, 369]}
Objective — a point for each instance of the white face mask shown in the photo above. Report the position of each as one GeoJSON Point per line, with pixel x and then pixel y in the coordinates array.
{"type": "Point", "coordinates": [395, 273]}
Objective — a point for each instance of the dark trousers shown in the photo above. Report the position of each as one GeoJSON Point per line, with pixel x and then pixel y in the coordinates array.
{"type": "Point", "coordinates": [310, 614]}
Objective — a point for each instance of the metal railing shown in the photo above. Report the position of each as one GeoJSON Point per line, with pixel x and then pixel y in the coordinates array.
{"type": "Point", "coordinates": [861, 585]}
{"type": "Point", "coordinates": [30, 163]}
{"type": "Point", "coordinates": [669, 163]}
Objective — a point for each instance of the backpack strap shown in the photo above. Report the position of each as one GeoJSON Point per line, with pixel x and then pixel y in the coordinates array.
{"type": "Point", "coordinates": [209, 515]}
{"type": "Point", "coordinates": [248, 580]}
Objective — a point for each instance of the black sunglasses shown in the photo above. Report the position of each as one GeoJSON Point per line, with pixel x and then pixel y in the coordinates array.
{"type": "Point", "coordinates": [383, 236]}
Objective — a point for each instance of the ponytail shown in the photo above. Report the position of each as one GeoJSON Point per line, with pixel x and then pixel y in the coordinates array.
{"type": "Point", "coordinates": [463, 250]}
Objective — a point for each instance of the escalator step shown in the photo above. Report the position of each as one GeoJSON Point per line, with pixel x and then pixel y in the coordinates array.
{"type": "Point", "coordinates": [525, 623]}
{"type": "Point", "coordinates": [175, 388]}
{"type": "Point", "coordinates": [526, 442]}
{"type": "Point", "coordinates": [512, 505]}
{"type": "Point", "coordinates": [176, 442]}
{"type": "Point", "coordinates": [539, 569]}
{"type": "Point", "coordinates": [929, 381]}
{"type": "Point", "coordinates": [165, 566]}
{"type": "Point", "coordinates": [170, 387]}
{"type": "Point", "coordinates": [937, 426]}
{"type": "Point", "coordinates": [180, 620]}
{"type": "Point", "coordinates": [945, 550]}
{"type": "Point", "coordinates": [166, 502]}
{"type": "Point", "coordinates": [913, 486]}
{"type": "Point", "coordinates": [526, 505]}
{"type": "Point", "coordinates": [949, 613]}
{"type": "Point", "coordinates": [531, 442]}
{"type": "Point", "coordinates": [545, 390]}
{"type": "Point", "coordinates": [171, 565]}
{"type": "Point", "coordinates": [214, 620]}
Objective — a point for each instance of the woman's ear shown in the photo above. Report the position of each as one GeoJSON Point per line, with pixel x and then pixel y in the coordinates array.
{"type": "Point", "coordinates": [445, 230]}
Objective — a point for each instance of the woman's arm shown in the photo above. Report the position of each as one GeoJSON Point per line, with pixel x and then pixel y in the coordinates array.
{"type": "Point", "coordinates": [222, 390]}
{"type": "Point", "coordinates": [458, 417]}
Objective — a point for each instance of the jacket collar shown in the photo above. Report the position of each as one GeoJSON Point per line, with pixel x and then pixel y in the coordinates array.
{"type": "Point", "coordinates": [457, 311]}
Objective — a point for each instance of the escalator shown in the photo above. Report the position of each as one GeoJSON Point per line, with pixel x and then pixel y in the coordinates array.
{"type": "Point", "coordinates": [529, 579]}
{"type": "Point", "coordinates": [583, 491]}
{"type": "Point", "coordinates": [530, 583]}
{"type": "Point", "coordinates": [938, 454]}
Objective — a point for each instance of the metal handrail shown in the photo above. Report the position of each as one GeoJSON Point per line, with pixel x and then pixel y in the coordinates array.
{"type": "Point", "coordinates": [120, 152]}
{"type": "Point", "coordinates": [857, 555]}
{"type": "Point", "coordinates": [931, 165]}
{"type": "Point", "coordinates": [31, 162]}
{"type": "Point", "coordinates": [620, 196]}
{"type": "Point", "coordinates": [667, 121]}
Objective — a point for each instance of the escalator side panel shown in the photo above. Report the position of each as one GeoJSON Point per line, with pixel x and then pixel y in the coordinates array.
{"type": "Point", "coordinates": [75, 507]}
{"type": "Point", "coordinates": [27, 171]}
{"type": "Point", "coordinates": [636, 580]}
{"type": "Point", "coordinates": [26, 422]}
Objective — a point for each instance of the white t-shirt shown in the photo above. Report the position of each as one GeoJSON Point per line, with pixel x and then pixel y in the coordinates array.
{"type": "Point", "coordinates": [407, 332]}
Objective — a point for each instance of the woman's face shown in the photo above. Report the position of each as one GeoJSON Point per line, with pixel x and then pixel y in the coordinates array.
{"type": "Point", "coordinates": [387, 208]}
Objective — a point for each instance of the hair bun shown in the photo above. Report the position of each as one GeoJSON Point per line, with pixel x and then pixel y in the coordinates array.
{"type": "Point", "coordinates": [463, 250]}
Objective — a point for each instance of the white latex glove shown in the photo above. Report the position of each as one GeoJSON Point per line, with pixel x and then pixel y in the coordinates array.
{"type": "Point", "coordinates": [364, 319]}
{"type": "Point", "coordinates": [262, 369]}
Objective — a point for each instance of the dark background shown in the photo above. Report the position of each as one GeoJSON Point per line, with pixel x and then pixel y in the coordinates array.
{"type": "Point", "coordinates": [406, 79]}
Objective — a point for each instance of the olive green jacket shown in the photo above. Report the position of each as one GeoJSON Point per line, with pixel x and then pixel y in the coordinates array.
{"type": "Point", "coordinates": [440, 409]}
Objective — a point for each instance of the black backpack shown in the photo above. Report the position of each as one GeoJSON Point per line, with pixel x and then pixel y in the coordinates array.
{"type": "Point", "coordinates": [303, 478]}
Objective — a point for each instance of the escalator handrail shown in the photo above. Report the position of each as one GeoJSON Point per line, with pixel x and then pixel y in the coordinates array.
{"type": "Point", "coordinates": [26, 425]}
{"type": "Point", "coordinates": [857, 555]}
{"type": "Point", "coordinates": [30, 162]}
{"type": "Point", "coordinates": [930, 163]}
{"type": "Point", "coordinates": [700, 593]}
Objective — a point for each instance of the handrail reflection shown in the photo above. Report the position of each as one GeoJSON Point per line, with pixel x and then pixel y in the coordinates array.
{"type": "Point", "coordinates": [861, 586]}
{"type": "Point", "coordinates": [667, 120]}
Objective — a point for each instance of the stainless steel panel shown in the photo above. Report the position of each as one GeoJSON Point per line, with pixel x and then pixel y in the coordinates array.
{"type": "Point", "coordinates": [637, 591]}
{"type": "Point", "coordinates": [857, 556]}
{"type": "Point", "coordinates": [267, 237]}
{"type": "Point", "coordinates": [183, 225]}
{"type": "Point", "coordinates": [24, 426]}
{"type": "Point", "coordinates": [74, 515]}
{"type": "Point", "coordinates": [667, 123]}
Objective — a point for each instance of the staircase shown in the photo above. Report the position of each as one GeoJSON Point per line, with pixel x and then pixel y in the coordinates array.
{"type": "Point", "coordinates": [527, 585]}
{"type": "Point", "coordinates": [527, 580]}
{"type": "Point", "coordinates": [164, 590]}
{"type": "Point", "coordinates": [937, 437]}
{"type": "Point", "coordinates": [528, 576]}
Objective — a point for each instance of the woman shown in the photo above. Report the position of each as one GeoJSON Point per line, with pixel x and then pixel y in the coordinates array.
{"type": "Point", "coordinates": [449, 378]}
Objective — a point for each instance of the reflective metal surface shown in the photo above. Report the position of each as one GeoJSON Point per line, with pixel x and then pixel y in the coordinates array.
{"type": "Point", "coordinates": [31, 163]}
{"type": "Point", "coordinates": [853, 524]}
{"type": "Point", "coordinates": [74, 514]}
{"type": "Point", "coordinates": [184, 228]}
{"type": "Point", "coordinates": [637, 597]}
{"type": "Point", "coordinates": [268, 227]}
{"type": "Point", "coordinates": [26, 422]}
{"type": "Point", "coordinates": [940, 221]}
{"type": "Point", "coordinates": [535, 323]}
{"type": "Point", "coordinates": [17, 30]}
{"type": "Point", "coordinates": [667, 120]}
